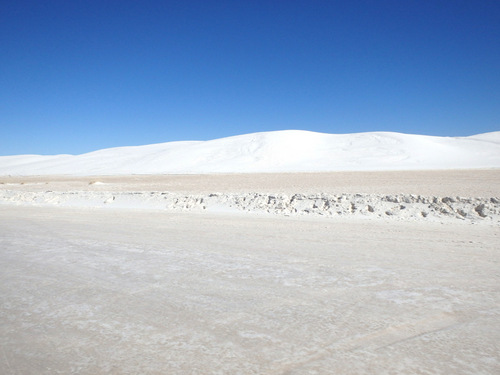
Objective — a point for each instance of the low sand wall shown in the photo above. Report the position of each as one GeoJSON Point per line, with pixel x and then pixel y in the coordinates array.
{"type": "Point", "coordinates": [392, 206]}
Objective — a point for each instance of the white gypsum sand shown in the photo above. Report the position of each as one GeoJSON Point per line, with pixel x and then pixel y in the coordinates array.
{"type": "Point", "coordinates": [118, 291]}
{"type": "Point", "coordinates": [455, 182]}
{"type": "Point", "coordinates": [108, 266]}
{"type": "Point", "coordinates": [466, 195]}
{"type": "Point", "coordinates": [279, 151]}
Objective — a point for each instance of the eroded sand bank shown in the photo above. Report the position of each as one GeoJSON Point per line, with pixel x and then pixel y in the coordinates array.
{"type": "Point", "coordinates": [471, 196]}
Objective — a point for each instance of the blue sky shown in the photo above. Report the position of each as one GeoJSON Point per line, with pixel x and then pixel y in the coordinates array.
{"type": "Point", "coordinates": [76, 76]}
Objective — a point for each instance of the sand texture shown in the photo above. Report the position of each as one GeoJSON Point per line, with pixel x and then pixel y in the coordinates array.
{"type": "Point", "coordinates": [129, 292]}
{"type": "Point", "coordinates": [313, 273]}
{"type": "Point", "coordinates": [471, 196]}
{"type": "Point", "coordinates": [466, 183]}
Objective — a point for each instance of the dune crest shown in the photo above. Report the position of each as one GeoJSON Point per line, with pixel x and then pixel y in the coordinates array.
{"type": "Point", "coordinates": [278, 151]}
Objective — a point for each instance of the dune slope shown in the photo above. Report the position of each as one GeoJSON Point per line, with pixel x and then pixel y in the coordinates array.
{"type": "Point", "coordinates": [279, 151]}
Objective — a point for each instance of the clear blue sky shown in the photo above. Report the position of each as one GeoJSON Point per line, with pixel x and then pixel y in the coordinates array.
{"type": "Point", "coordinates": [76, 76]}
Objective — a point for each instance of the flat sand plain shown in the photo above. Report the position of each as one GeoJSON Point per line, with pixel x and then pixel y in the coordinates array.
{"type": "Point", "coordinates": [131, 292]}
{"type": "Point", "coordinates": [117, 291]}
{"type": "Point", "coordinates": [467, 183]}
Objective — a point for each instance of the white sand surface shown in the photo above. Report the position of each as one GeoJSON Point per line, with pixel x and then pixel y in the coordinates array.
{"type": "Point", "coordinates": [463, 195]}
{"type": "Point", "coordinates": [93, 291]}
{"type": "Point", "coordinates": [391, 272]}
{"type": "Point", "coordinates": [279, 151]}
{"type": "Point", "coordinates": [465, 182]}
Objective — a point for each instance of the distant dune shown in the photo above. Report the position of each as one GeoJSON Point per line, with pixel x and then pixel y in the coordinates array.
{"type": "Point", "coordinates": [279, 151]}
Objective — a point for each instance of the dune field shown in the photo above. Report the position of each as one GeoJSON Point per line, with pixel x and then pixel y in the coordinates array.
{"type": "Point", "coordinates": [369, 266]}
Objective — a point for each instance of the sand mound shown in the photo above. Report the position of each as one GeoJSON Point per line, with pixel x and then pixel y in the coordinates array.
{"type": "Point", "coordinates": [280, 151]}
{"type": "Point", "coordinates": [399, 207]}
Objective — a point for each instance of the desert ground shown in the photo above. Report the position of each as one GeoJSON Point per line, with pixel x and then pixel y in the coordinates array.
{"type": "Point", "coordinates": [103, 289]}
{"type": "Point", "coordinates": [465, 182]}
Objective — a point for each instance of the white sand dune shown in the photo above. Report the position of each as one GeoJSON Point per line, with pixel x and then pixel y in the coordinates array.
{"type": "Point", "coordinates": [279, 151]}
